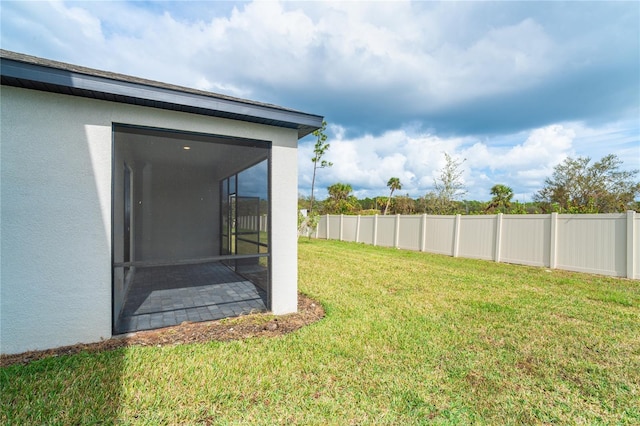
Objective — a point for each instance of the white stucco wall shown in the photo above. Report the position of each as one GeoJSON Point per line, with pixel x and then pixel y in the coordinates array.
{"type": "Point", "coordinates": [284, 233]}
{"type": "Point", "coordinates": [55, 277]}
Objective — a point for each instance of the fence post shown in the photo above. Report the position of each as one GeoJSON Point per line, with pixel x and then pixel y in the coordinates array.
{"type": "Point", "coordinates": [341, 227]}
{"type": "Point", "coordinates": [553, 256]}
{"type": "Point", "coordinates": [456, 235]}
{"type": "Point", "coordinates": [327, 227]}
{"type": "Point", "coordinates": [423, 232]}
{"type": "Point", "coordinates": [631, 246]}
{"type": "Point", "coordinates": [496, 256]}
{"type": "Point", "coordinates": [396, 236]}
{"type": "Point", "coordinates": [375, 230]}
{"type": "Point", "coordinates": [358, 228]}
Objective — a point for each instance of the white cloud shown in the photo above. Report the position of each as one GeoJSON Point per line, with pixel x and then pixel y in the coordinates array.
{"type": "Point", "coordinates": [368, 162]}
{"type": "Point", "coordinates": [411, 59]}
{"type": "Point", "coordinates": [503, 59]}
{"type": "Point", "coordinates": [342, 45]}
{"type": "Point", "coordinates": [523, 165]}
{"type": "Point", "coordinates": [619, 138]}
{"type": "Point", "coordinates": [522, 160]}
{"type": "Point", "coordinates": [80, 19]}
{"type": "Point", "coordinates": [549, 144]}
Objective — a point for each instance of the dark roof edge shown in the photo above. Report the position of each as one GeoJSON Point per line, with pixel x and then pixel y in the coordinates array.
{"type": "Point", "coordinates": [43, 74]}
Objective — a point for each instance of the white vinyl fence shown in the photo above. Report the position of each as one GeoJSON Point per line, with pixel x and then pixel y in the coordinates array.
{"type": "Point", "coordinates": [254, 223]}
{"type": "Point", "coordinates": [606, 244]}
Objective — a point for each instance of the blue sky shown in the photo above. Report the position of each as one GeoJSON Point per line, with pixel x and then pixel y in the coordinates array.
{"type": "Point", "coordinates": [512, 87]}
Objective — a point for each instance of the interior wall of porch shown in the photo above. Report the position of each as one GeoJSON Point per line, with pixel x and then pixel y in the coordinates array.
{"type": "Point", "coordinates": [177, 213]}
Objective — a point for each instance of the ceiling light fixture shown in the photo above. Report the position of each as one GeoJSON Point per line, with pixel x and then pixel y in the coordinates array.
{"type": "Point", "coordinates": [186, 148]}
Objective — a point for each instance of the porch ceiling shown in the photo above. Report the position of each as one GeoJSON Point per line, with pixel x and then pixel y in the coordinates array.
{"type": "Point", "coordinates": [223, 156]}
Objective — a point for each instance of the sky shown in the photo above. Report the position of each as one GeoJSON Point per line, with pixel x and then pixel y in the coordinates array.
{"type": "Point", "coordinates": [508, 89]}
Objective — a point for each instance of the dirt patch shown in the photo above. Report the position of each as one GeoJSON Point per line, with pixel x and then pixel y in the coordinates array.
{"type": "Point", "coordinates": [244, 327]}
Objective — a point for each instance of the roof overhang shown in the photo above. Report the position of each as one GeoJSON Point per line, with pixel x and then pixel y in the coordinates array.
{"type": "Point", "coordinates": [51, 76]}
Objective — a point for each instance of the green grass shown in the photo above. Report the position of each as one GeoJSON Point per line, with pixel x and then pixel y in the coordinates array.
{"type": "Point", "coordinates": [409, 338]}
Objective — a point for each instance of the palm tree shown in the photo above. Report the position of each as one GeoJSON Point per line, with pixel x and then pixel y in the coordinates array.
{"type": "Point", "coordinates": [339, 191]}
{"type": "Point", "coordinates": [393, 184]}
{"type": "Point", "coordinates": [340, 199]}
{"type": "Point", "coordinates": [502, 195]}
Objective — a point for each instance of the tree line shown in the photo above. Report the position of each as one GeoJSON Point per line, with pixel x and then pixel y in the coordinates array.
{"type": "Point", "coordinates": [577, 185]}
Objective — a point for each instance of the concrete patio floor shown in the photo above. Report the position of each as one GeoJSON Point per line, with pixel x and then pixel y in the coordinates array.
{"type": "Point", "coordinates": [164, 296]}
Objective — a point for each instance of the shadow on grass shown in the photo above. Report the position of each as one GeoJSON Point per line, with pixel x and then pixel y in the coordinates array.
{"type": "Point", "coordinates": [93, 383]}
{"type": "Point", "coordinates": [84, 388]}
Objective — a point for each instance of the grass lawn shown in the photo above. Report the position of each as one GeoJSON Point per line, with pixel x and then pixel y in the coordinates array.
{"type": "Point", "coordinates": [409, 338]}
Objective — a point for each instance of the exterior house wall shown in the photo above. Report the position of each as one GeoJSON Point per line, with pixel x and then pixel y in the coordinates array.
{"type": "Point", "coordinates": [56, 196]}
{"type": "Point", "coordinates": [284, 219]}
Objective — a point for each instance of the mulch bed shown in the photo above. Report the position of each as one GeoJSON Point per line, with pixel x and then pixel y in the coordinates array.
{"type": "Point", "coordinates": [244, 327]}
